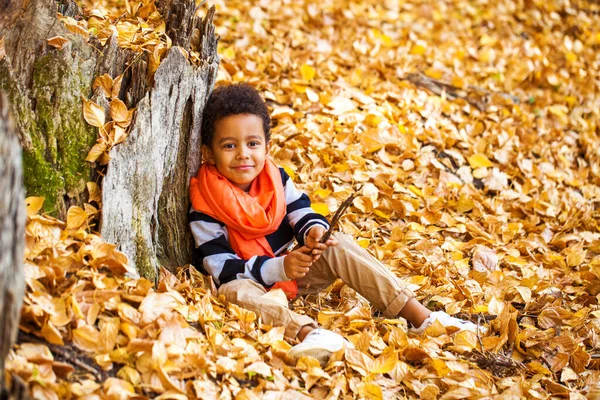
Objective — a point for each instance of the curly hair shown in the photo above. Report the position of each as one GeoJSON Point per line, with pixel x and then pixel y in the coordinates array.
{"type": "Point", "coordinates": [229, 100]}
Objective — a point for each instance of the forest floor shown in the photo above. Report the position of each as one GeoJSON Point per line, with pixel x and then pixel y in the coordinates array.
{"type": "Point", "coordinates": [473, 128]}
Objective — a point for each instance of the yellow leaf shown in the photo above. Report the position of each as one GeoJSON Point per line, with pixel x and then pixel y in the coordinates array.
{"type": "Point", "coordinates": [416, 190]}
{"type": "Point", "coordinates": [364, 243]}
{"type": "Point", "coordinates": [229, 53]}
{"type": "Point", "coordinates": [76, 217]}
{"type": "Point", "coordinates": [369, 391]}
{"type": "Point", "coordinates": [322, 193]}
{"type": "Point", "coordinates": [34, 205]}
{"type": "Point", "coordinates": [93, 113]}
{"type": "Point", "coordinates": [105, 82]}
{"type": "Point", "coordinates": [384, 363]}
{"type": "Point", "coordinates": [321, 208]}
{"type": "Point", "coordinates": [440, 367]}
{"type": "Point", "coordinates": [307, 72]}
{"type": "Point", "coordinates": [479, 161]}
{"type": "Point", "coordinates": [57, 42]}
{"type": "Point", "coordinates": [434, 73]}
{"type": "Point", "coordinates": [417, 50]}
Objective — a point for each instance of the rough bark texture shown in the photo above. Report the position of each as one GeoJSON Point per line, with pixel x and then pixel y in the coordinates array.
{"type": "Point", "coordinates": [12, 236]}
{"type": "Point", "coordinates": [145, 197]}
{"type": "Point", "coordinates": [44, 86]}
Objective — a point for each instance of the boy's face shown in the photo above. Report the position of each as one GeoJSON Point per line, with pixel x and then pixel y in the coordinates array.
{"type": "Point", "coordinates": [238, 149]}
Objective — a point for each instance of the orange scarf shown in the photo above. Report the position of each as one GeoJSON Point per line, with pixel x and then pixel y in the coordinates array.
{"type": "Point", "coordinates": [249, 217]}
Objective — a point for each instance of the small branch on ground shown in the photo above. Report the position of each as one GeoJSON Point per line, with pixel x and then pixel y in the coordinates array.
{"type": "Point", "coordinates": [338, 214]}
{"type": "Point", "coordinates": [68, 354]}
{"type": "Point", "coordinates": [474, 95]}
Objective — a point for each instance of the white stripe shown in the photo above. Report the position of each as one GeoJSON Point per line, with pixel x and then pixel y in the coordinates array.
{"type": "Point", "coordinates": [291, 193]}
{"type": "Point", "coordinates": [297, 215]}
{"type": "Point", "coordinates": [315, 223]}
{"type": "Point", "coordinates": [285, 247]}
{"type": "Point", "coordinates": [206, 231]}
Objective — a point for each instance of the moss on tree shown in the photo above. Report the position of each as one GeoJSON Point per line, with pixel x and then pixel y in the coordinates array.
{"type": "Point", "coordinates": [56, 138]}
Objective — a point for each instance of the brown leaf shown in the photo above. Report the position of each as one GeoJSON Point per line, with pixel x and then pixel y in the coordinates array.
{"type": "Point", "coordinates": [119, 113]}
{"type": "Point", "coordinates": [98, 150]}
{"type": "Point", "coordinates": [57, 42]}
{"type": "Point", "coordinates": [105, 82]}
{"type": "Point", "coordinates": [2, 49]}
{"type": "Point", "coordinates": [87, 338]}
{"type": "Point", "coordinates": [76, 217]}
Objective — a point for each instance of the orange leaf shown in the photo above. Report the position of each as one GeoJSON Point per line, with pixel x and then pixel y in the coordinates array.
{"type": "Point", "coordinates": [93, 113]}
{"type": "Point", "coordinates": [58, 42]}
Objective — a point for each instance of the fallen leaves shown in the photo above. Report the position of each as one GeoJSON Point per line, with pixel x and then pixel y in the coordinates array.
{"type": "Point", "coordinates": [484, 196]}
{"type": "Point", "coordinates": [112, 132]}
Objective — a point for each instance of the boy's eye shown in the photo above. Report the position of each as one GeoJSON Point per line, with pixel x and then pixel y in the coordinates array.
{"type": "Point", "coordinates": [228, 146]}
{"type": "Point", "coordinates": [254, 143]}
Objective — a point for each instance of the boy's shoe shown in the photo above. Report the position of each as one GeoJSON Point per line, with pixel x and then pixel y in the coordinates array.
{"type": "Point", "coordinates": [447, 321]}
{"type": "Point", "coordinates": [320, 344]}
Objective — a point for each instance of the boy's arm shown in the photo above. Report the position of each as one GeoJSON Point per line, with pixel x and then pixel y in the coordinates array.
{"type": "Point", "coordinates": [300, 214]}
{"type": "Point", "coordinates": [214, 255]}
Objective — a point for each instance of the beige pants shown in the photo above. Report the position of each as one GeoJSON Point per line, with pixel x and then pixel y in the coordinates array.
{"type": "Point", "coordinates": [347, 261]}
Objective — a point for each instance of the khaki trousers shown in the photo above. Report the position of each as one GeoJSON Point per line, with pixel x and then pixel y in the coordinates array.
{"type": "Point", "coordinates": [347, 261]}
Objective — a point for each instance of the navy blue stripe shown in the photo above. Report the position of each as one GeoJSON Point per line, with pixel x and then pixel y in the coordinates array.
{"type": "Point", "coordinates": [230, 270]}
{"type": "Point", "coordinates": [302, 226]}
{"type": "Point", "coordinates": [282, 236]}
{"type": "Point", "coordinates": [219, 245]}
{"type": "Point", "coordinates": [255, 271]}
{"type": "Point", "coordinates": [198, 216]}
{"type": "Point", "coordinates": [301, 202]}
{"type": "Point", "coordinates": [284, 176]}
{"type": "Point", "coordinates": [198, 261]}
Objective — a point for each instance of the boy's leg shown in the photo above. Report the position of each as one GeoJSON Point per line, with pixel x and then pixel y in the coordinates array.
{"type": "Point", "coordinates": [362, 272]}
{"type": "Point", "coordinates": [247, 294]}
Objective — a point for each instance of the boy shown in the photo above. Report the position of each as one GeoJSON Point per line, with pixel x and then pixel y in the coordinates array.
{"type": "Point", "coordinates": [246, 213]}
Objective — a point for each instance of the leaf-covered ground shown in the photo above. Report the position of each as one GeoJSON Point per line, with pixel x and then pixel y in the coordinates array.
{"type": "Point", "coordinates": [473, 128]}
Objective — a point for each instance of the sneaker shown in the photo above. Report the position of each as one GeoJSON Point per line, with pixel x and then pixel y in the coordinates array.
{"type": "Point", "coordinates": [447, 321]}
{"type": "Point", "coordinates": [320, 344]}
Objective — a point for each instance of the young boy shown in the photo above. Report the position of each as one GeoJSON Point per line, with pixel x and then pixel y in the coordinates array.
{"type": "Point", "coordinates": [246, 213]}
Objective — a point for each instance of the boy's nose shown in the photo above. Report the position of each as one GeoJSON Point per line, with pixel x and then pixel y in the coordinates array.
{"type": "Point", "coordinates": [242, 153]}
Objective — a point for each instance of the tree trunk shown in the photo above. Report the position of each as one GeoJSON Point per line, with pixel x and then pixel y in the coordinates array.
{"type": "Point", "coordinates": [144, 190]}
{"type": "Point", "coordinates": [12, 237]}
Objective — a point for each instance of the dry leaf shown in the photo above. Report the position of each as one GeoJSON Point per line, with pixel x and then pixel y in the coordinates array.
{"type": "Point", "coordinates": [57, 42]}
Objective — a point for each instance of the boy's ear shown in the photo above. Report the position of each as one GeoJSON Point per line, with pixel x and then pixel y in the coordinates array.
{"type": "Point", "coordinates": [268, 148]}
{"type": "Point", "coordinates": [207, 155]}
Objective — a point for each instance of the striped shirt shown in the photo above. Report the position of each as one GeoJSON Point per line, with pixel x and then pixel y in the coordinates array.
{"type": "Point", "coordinates": [214, 255]}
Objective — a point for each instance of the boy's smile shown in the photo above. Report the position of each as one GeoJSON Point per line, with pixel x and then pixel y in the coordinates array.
{"type": "Point", "coordinates": [238, 149]}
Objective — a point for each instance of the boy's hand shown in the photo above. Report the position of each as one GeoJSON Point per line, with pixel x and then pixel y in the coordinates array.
{"type": "Point", "coordinates": [313, 238]}
{"type": "Point", "coordinates": [296, 263]}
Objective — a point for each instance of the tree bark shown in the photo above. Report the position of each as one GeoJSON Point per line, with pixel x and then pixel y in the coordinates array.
{"type": "Point", "coordinates": [144, 190]}
{"type": "Point", "coordinates": [12, 237]}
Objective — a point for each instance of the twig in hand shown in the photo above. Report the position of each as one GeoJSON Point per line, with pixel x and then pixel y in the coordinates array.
{"type": "Point", "coordinates": [338, 214]}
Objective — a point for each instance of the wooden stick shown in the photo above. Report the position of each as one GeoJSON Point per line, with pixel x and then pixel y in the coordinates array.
{"type": "Point", "coordinates": [338, 214]}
